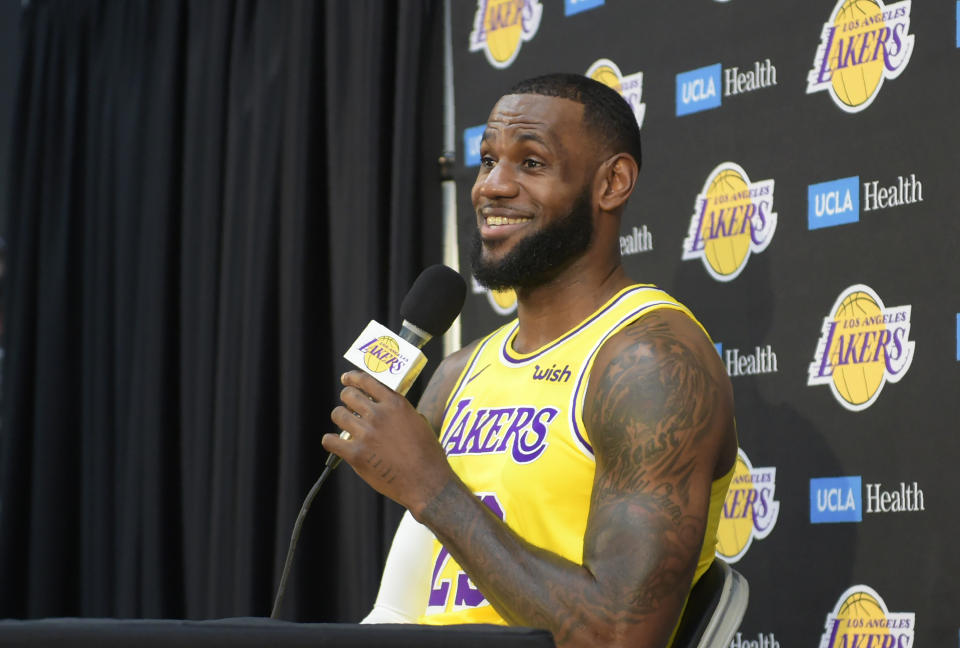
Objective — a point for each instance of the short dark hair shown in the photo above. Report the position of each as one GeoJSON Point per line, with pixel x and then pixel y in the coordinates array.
{"type": "Point", "coordinates": [604, 109]}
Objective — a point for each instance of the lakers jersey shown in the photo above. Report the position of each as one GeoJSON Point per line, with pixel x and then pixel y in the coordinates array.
{"type": "Point", "coordinates": [513, 432]}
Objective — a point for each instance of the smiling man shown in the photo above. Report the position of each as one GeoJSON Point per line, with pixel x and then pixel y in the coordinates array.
{"type": "Point", "coordinates": [585, 448]}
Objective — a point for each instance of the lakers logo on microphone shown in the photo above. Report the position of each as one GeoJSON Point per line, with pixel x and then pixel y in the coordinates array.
{"type": "Point", "coordinates": [732, 217]}
{"type": "Point", "coordinates": [861, 618]}
{"type": "Point", "coordinates": [501, 26]}
{"type": "Point", "coordinates": [749, 511]}
{"type": "Point", "coordinates": [383, 354]}
{"type": "Point", "coordinates": [863, 43]}
{"type": "Point", "coordinates": [863, 345]}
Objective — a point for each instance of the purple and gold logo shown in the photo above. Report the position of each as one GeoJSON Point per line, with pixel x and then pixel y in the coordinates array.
{"type": "Point", "coordinates": [520, 430]}
{"type": "Point", "coordinates": [749, 510]}
{"type": "Point", "coordinates": [502, 301]}
{"type": "Point", "coordinates": [861, 618]}
{"type": "Point", "coordinates": [501, 26]}
{"type": "Point", "coordinates": [732, 217]}
{"type": "Point", "coordinates": [862, 346]}
{"type": "Point", "coordinates": [382, 354]}
{"type": "Point", "coordinates": [863, 43]}
{"type": "Point", "coordinates": [629, 86]}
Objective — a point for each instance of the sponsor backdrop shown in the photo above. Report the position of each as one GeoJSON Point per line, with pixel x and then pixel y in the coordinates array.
{"type": "Point", "coordinates": [799, 192]}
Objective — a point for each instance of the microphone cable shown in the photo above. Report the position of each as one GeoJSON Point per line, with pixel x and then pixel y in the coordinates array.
{"type": "Point", "coordinates": [433, 302]}
{"type": "Point", "coordinates": [295, 536]}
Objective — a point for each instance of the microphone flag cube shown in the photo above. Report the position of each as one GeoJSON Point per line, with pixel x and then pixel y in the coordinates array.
{"type": "Point", "coordinates": [387, 357]}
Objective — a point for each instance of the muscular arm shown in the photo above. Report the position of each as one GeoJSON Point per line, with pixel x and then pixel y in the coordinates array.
{"type": "Point", "coordinates": [655, 414]}
{"type": "Point", "coordinates": [659, 414]}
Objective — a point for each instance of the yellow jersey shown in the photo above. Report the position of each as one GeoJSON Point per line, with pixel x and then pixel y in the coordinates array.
{"type": "Point", "coordinates": [513, 431]}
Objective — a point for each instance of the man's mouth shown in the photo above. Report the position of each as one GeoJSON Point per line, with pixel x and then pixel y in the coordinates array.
{"type": "Point", "coordinates": [505, 220]}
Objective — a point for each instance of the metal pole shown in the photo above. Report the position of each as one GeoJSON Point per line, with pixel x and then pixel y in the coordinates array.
{"type": "Point", "coordinates": [451, 253]}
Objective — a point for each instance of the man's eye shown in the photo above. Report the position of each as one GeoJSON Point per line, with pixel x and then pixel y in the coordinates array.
{"type": "Point", "coordinates": [487, 161]}
{"type": "Point", "coordinates": [532, 164]}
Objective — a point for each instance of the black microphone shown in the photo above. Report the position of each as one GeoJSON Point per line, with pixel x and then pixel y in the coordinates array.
{"type": "Point", "coordinates": [429, 308]}
{"type": "Point", "coordinates": [432, 303]}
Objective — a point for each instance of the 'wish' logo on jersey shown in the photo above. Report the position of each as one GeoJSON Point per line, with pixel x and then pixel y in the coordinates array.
{"type": "Point", "coordinates": [749, 510]}
{"type": "Point", "coordinates": [629, 86]}
{"type": "Point", "coordinates": [523, 430]}
{"type": "Point", "coordinates": [863, 43]}
{"type": "Point", "coordinates": [862, 346]}
{"type": "Point", "coordinates": [732, 217]}
{"type": "Point", "coordinates": [501, 26]}
{"type": "Point", "coordinates": [861, 618]}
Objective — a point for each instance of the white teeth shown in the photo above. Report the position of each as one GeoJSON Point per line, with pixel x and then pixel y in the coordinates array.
{"type": "Point", "coordinates": [502, 220]}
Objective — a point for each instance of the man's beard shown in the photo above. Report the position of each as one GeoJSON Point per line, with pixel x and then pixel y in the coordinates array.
{"type": "Point", "coordinates": [541, 256]}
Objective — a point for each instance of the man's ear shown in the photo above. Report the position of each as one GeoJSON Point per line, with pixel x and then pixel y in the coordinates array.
{"type": "Point", "coordinates": [618, 175]}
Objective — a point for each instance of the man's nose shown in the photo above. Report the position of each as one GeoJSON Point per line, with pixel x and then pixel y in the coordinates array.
{"type": "Point", "coordinates": [500, 181]}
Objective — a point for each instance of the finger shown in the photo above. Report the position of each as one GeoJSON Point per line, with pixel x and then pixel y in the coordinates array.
{"type": "Point", "coordinates": [367, 384]}
{"type": "Point", "coordinates": [357, 401]}
{"type": "Point", "coordinates": [347, 420]}
{"type": "Point", "coordinates": [334, 444]}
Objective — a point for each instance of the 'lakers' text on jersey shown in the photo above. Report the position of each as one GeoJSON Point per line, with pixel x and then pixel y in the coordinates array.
{"type": "Point", "coordinates": [513, 431]}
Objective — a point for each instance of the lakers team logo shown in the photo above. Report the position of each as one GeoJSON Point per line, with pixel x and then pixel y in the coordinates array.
{"type": "Point", "coordinates": [861, 618]}
{"type": "Point", "coordinates": [501, 26]}
{"type": "Point", "coordinates": [749, 511]}
{"type": "Point", "coordinates": [863, 344]}
{"type": "Point", "coordinates": [732, 217]}
{"type": "Point", "coordinates": [630, 86]}
{"type": "Point", "coordinates": [863, 43]}
{"type": "Point", "coordinates": [383, 354]}
{"type": "Point", "coordinates": [503, 301]}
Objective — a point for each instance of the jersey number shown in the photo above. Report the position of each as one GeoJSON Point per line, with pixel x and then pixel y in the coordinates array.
{"type": "Point", "coordinates": [466, 595]}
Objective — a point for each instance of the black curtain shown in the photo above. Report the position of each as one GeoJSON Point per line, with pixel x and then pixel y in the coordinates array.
{"type": "Point", "coordinates": [207, 201]}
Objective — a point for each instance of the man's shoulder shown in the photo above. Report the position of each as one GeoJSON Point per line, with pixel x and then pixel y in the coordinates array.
{"type": "Point", "coordinates": [671, 331]}
{"type": "Point", "coordinates": [661, 372]}
{"type": "Point", "coordinates": [454, 363]}
{"type": "Point", "coordinates": [442, 382]}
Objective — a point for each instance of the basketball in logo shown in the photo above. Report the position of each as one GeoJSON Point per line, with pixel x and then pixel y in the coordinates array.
{"type": "Point", "coordinates": [726, 254]}
{"type": "Point", "coordinates": [629, 86]}
{"type": "Point", "coordinates": [861, 618]}
{"type": "Point", "coordinates": [605, 74]}
{"type": "Point", "coordinates": [858, 382]}
{"type": "Point", "coordinates": [863, 345]}
{"type": "Point", "coordinates": [374, 358]}
{"type": "Point", "coordinates": [735, 533]}
{"type": "Point", "coordinates": [854, 84]}
{"type": "Point", "coordinates": [501, 26]}
{"type": "Point", "coordinates": [732, 217]}
{"type": "Point", "coordinates": [862, 43]}
{"type": "Point", "coordinates": [502, 40]}
{"type": "Point", "coordinates": [503, 301]}
{"type": "Point", "coordinates": [749, 510]}
{"type": "Point", "coordinates": [856, 613]}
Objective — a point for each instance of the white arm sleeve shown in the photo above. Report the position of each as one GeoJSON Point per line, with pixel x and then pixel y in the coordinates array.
{"type": "Point", "coordinates": [405, 585]}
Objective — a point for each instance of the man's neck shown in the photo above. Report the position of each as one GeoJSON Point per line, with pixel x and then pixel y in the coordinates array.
{"type": "Point", "coordinates": [548, 311]}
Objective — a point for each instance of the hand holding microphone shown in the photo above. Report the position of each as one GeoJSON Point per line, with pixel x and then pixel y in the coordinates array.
{"type": "Point", "coordinates": [429, 308]}
{"type": "Point", "coordinates": [389, 442]}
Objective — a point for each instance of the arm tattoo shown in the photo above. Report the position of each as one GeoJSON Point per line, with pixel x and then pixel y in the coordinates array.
{"type": "Point", "coordinates": [651, 406]}
{"type": "Point", "coordinates": [652, 409]}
